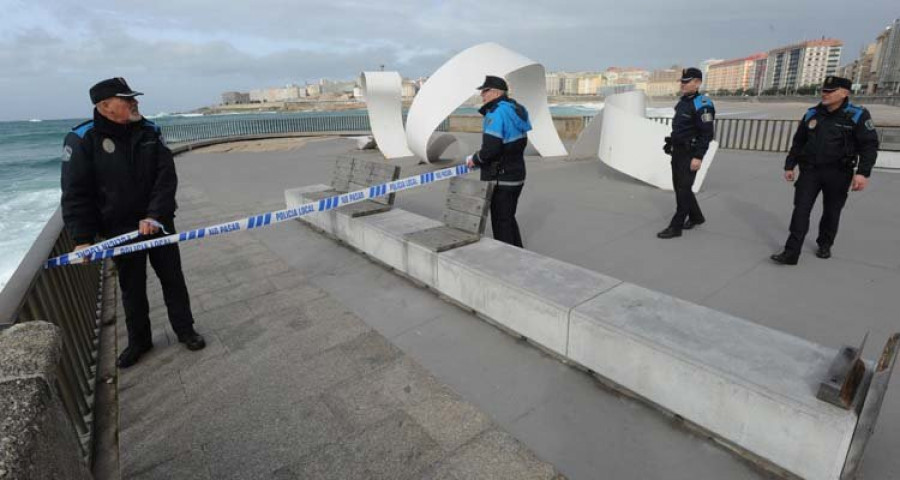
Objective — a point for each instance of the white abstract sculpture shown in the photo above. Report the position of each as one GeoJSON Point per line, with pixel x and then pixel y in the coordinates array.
{"type": "Point", "coordinates": [383, 93]}
{"type": "Point", "coordinates": [626, 140]}
{"type": "Point", "coordinates": [455, 82]}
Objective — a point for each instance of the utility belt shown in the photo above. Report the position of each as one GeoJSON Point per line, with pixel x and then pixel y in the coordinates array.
{"type": "Point", "coordinates": [673, 144]}
{"type": "Point", "coordinates": [846, 163]}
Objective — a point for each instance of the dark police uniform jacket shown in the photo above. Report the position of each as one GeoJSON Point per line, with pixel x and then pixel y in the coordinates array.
{"type": "Point", "coordinates": [692, 126]}
{"type": "Point", "coordinates": [835, 139]}
{"type": "Point", "coordinates": [502, 154]}
{"type": "Point", "coordinates": [115, 175]}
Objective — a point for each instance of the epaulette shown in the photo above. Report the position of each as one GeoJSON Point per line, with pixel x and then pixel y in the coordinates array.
{"type": "Point", "coordinates": [82, 128]}
{"type": "Point", "coordinates": [152, 125]}
{"type": "Point", "coordinates": [702, 101]}
{"type": "Point", "coordinates": [810, 113]}
{"type": "Point", "coordinates": [854, 112]}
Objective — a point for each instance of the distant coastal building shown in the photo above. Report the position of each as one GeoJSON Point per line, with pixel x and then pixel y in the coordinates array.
{"type": "Point", "coordinates": [889, 68]}
{"type": "Point", "coordinates": [804, 64]}
{"type": "Point", "coordinates": [568, 84]}
{"type": "Point", "coordinates": [235, 98]}
{"type": "Point", "coordinates": [277, 94]}
{"type": "Point", "coordinates": [704, 66]}
{"type": "Point", "coordinates": [408, 89]}
{"type": "Point", "coordinates": [664, 82]}
{"type": "Point", "coordinates": [590, 83]}
{"type": "Point", "coordinates": [626, 75]}
{"type": "Point", "coordinates": [552, 80]}
{"type": "Point", "coordinates": [739, 74]}
{"type": "Point", "coordinates": [313, 90]}
{"type": "Point", "coordinates": [860, 70]}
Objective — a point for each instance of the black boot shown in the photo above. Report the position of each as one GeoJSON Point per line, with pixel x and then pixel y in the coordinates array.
{"type": "Point", "coordinates": [824, 251]}
{"type": "Point", "coordinates": [785, 258]}
{"type": "Point", "coordinates": [669, 232]}
{"type": "Point", "coordinates": [132, 354]}
{"type": "Point", "coordinates": [691, 223]}
{"type": "Point", "coordinates": [192, 340]}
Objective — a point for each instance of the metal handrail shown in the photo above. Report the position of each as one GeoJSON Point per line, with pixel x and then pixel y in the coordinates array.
{"type": "Point", "coordinates": [70, 299]}
{"type": "Point", "coordinates": [197, 131]}
{"type": "Point", "coordinates": [760, 134]}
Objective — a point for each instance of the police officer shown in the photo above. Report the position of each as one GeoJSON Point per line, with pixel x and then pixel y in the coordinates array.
{"type": "Point", "coordinates": [118, 176]}
{"type": "Point", "coordinates": [833, 138]}
{"type": "Point", "coordinates": [692, 130]}
{"type": "Point", "coordinates": [501, 158]}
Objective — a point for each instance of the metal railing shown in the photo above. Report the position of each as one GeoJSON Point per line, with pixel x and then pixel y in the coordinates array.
{"type": "Point", "coordinates": [70, 299]}
{"type": "Point", "coordinates": [770, 135]}
{"type": "Point", "coordinates": [211, 129]}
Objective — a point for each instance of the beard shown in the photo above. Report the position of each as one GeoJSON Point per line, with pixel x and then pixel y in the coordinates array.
{"type": "Point", "coordinates": [135, 116]}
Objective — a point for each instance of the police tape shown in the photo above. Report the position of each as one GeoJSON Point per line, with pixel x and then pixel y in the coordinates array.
{"type": "Point", "coordinates": [111, 248]}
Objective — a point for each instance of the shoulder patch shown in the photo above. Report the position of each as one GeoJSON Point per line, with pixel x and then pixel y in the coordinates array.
{"type": "Point", "coordinates": [152, 125]}
{"type": "Point", "coordinates": [81, 130]}
{"type": "Point", "coordinates": [67, 153]}
{"type": "Point", "coordinates": [809, 114]}
{"type": "Point", "coordinates": [870, 125]}
{"type": "Point", "coordinates": [854, 112]}
{"type": "Point", "coordinates": [702, 101]}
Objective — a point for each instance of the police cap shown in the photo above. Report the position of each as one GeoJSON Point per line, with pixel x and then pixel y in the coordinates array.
{"type": "Point", "coordinates": [833, 83]}
{"type": "Point", "coordinates": [689, 74]}
{"type": "Point", "coordinates": [111, 87]}
{"type": "Point", "coordinates": [491, 81]}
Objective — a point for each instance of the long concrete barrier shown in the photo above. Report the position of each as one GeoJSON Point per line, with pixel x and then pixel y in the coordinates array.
{"type": "Point", "coordinates": [751, 387]}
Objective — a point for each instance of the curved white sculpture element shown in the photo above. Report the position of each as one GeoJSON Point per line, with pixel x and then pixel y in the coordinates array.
{"type": "Point", "coordinates": [455, 82]}
{"type": "Point", "coordinates": [441, 142]}
{"type": "Point", "coordinates": [383, 92]}
{"type": "Point", "coordinates": [626, 140]}
{"type": "Point", "coordinates": [588, 143]}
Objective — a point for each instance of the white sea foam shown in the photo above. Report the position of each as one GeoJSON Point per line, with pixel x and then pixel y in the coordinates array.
{"type": "Point", "coordinates": [22, 217]}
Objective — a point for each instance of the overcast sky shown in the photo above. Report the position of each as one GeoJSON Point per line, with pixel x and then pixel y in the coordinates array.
{"type": "Point", "coordinates": [184, 53]}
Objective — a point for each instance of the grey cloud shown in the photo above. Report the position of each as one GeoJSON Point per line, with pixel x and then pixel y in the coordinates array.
{"type": "Point", "coordinates": [194, 49]}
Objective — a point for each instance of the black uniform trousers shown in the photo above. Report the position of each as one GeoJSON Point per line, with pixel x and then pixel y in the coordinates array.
{"type": "Point", "coordinates": [834, 183]}
{"type": "Point", "coordinates": [504, 202]}
{"type": "Point", "coordinates": [683, 181]}
{"type": "Point", "coordinates": [132, 270]}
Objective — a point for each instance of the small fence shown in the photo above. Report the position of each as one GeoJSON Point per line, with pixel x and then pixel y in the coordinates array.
{"type": "Point", "coordinates": [70, 299]}
{"type": "Point", "coordinates": [733, 133]}
{"type": "Point", "coordinates": [772, 135]}
{"type": "Point", "coordinates": [211, 129]}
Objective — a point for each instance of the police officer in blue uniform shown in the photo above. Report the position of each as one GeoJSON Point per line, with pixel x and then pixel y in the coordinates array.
{"type": "Point", "coordinates": [117, 176]}
{"type": "Point", "coordinates": [692, 130]}
{"type": "Point", "coordinates": [833, 138]}
{"type": "Point", "coordinates": [502, 156]}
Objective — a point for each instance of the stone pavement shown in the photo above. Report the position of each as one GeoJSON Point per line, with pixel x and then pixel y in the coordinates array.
{"type": "Point", "coordinates": [586, 214]}
{"type": "Point", "coordinates": [292, 384]}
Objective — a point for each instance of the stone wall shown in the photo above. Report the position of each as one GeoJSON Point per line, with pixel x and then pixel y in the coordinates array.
{"type": "Point", "coordinates": [37, 440]}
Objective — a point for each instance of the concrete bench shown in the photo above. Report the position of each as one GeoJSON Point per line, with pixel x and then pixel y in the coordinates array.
{"type": "Point", "coordinates": [889, 148]}
{"type": "Point", "coordinates": [750, 387]}
{"type": "Point", "coordinates": [352, 174]}
{"type": "Point", "coordinates": [349, 174]}
{"type": "Point", "coordinates": [889, 139]}
{"type": "Point", "coordinates": [465, 215]}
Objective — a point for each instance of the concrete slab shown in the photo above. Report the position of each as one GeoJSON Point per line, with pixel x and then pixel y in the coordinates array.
{"type": "Point", "coordinates": [734, 378]}
{"type": "Point", "coordinates": [528, 293]}
{"type": "Point", "coordinates": [322, 220]}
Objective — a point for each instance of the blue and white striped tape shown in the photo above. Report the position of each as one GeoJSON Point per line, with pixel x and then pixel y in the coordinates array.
{"type": "Point", "coordinates": [110, 248]}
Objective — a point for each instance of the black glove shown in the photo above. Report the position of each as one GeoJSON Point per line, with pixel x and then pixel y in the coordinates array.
{"type": "Point", "coordinates": [668, 146]}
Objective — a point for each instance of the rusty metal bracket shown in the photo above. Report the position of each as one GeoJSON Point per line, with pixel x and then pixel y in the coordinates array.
{"type": "Point", "coordinates": [844, 377]}
{"type": "Point", "coordinates": [868, 415]}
